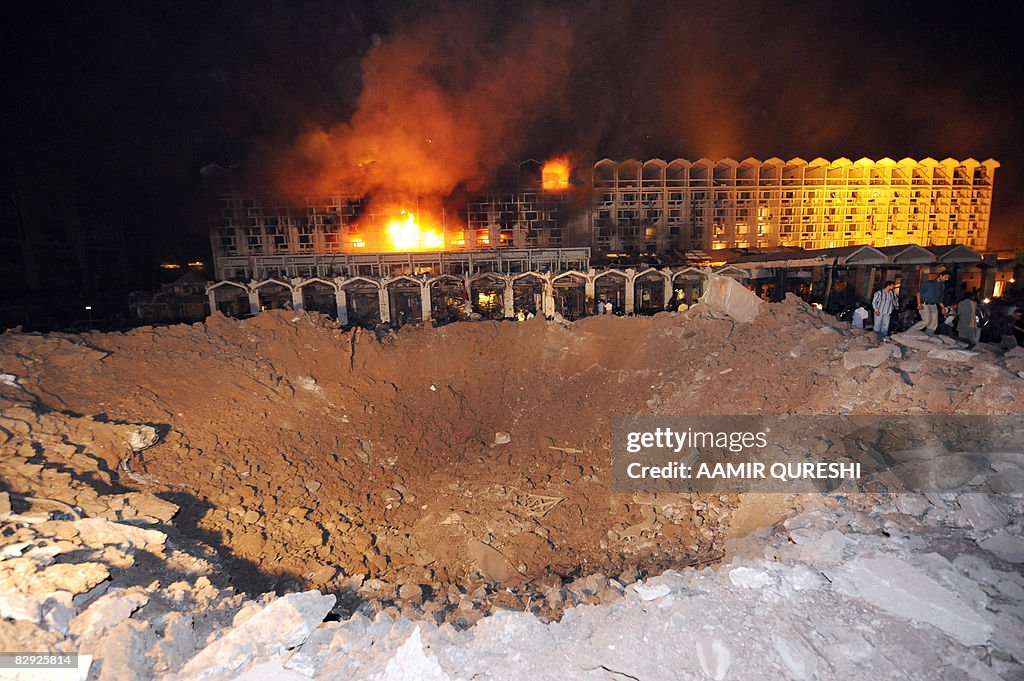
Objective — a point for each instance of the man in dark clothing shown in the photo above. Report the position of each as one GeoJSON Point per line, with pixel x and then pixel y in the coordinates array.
{"type": "Point", "coordinates": [929, 303]}
{"type": "Point", "coordinates": [1018, 327]}
{"type": "Point", "coordinates": [967, 320]}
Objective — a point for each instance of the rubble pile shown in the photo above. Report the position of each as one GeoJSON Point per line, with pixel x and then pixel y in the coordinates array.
{"type": "Point", "coordinates": [849, 588]}
{"type": "Point", "coordinates": [89, 570]}
{"type": "Point", "coordinates": [277, 496]}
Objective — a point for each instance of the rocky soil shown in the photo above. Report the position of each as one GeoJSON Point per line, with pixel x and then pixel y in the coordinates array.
{"type": "Point", "coordinates": [158, 481]}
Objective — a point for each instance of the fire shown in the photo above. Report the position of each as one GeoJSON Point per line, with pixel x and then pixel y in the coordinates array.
{"type": "Point", "coordinates": [555, 174]}
{"type": "Point", "coordinates": [408, 235]}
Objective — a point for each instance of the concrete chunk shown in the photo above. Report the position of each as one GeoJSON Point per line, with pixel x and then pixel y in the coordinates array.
{"type": "Point", "coordinates": [714, 656]}
{"type": "Point", "coordinates": [411, 662]}
{"type": "Point", "coordinates": [903, 590]}
{"type": "Point", "coordinates": [951, 355]}
{"type": "Point", "coordinates": [22, 574]}
{"type": "Point", "coordinates": [1006, 546]}
{"type": "Point", "coordinates": [121, 650]}
{"type": "Point", "coordinates": [20, 606]}
{"type": "Point", "coordinates": [650, 592]}
{"type": "Point", "coordinates": [106, 612]}
{"type": "Point", "coordinates": [981, 511]}
{"type": "Point", "coordinates": [152, 506]}
{"type": "Point", "coordinates": [917, 340]}
{"type": "Point", "coordinates": [872, 357]}
{"type": "Point", "coordinates": [826, 550]}
{"type": "Point", "coordinates": [282, 625]}
{"type": "Point", "coordinates": [98, 532]}
{"type": "Point", "coordinates": [749, 578]}
{"type": "Point", "coordinates": [798, 658]}
{"type": "Point", "coordinates": [726, 296]}
{"type": "Point", "coordinates": [912, 504]}
{"type": "Point", "coordinates": [177, 645]}
{"type": "Point", "coordinates": [58, 611]}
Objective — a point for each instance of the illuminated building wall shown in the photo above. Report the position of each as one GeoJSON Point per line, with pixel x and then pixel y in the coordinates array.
{"type": "Point", "coordinates": [528, 210]}
{"type": "Point", "coordinates": [654, 207]}
{"type": "Point", "coordinates": [519, 213]}
{"type": "Point", "coordinates": [247, 226]}
{"type": "Point", "coordinates": [657, 206]}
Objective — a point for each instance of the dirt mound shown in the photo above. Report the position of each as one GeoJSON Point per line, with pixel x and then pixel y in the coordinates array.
{"type": "Point", "coordinates": [428, 469]}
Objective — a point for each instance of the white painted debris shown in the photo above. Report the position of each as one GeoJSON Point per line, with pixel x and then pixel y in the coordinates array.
{"type": "Point", "coordinates": [20, 606]}
{"type": "Point", "coordinates": [901, 589]}
{"type": "Point", "coordinates": [951, 355]}
{"type": "Point", "coordinates": [142, 437]}
{"type": "Point", "coordinates": [802, 578]}
{"type": "Point", "coordinates": [1007, 546]}
{"type": "Point", "coordinates": [271, 670]}
{"type": "Point", "coordinates": [106, 612]}
{"type": "Point", "coordinates": [649, 592]}
{"type": "Point", "coordinates": [24, 575]}
{"type": "Point", "coordinates": [826, 550]}
{"type": "Point", "coordinates": [981, 511]}
{"type": "Point", "coordinates": [308, 658]}
{"type": "Point", "coordinates": [99, 532]}
{"type": "Point", "coordinates": [502, 438]}
{"type": "Point", "coordinates": [282, 625]}
{"type": "Point", "coordinates": [912, 504]}
{"type": "Point", "coordinates": [714, 657]}
{"type": "Point", "coordinates": [726, 296]}
{"type": "Point", "coordinates": [411, 662]}
{"type": "Point", "coordinates": [13, 550]}
{"type": "Point", "coordinates": [851, 649]}
{"type": "Point", "coordinates": [872, 357]}
{"type": "Point", "coordinates": [309, 383]}
{"type": "Point", "coordinates": [749, 578]}
{"type": "Point", "coordinates": [798, 658]}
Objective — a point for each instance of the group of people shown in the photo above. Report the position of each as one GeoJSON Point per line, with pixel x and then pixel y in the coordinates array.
{"type": "Point", "coordinates": [522, 315]}
{"type": "Point", "coordinates": [964, 316]}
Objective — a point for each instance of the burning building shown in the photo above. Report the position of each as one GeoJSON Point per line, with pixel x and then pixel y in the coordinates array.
{"type": "Point", "coordinates": [532, 214]}
{"type": "Point", "coordinates": [630, 208]}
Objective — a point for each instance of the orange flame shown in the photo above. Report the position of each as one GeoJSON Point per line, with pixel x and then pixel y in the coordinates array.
{"type": "Point", "coordinates": [555, 174]}
{"type": "Point", "coordinates": [408, 235]}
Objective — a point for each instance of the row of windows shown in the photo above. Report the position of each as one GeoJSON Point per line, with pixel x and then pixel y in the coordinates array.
{"type": "Point", "coordinates": [849, 196]}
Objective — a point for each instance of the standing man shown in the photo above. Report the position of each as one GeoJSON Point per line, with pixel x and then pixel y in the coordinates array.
{"type": "Point", "coordinates": [884, 303]}
{"type": "Point", "coordinates": [929, 303]}
{"type": "Point", "coordinates": [967, 320]}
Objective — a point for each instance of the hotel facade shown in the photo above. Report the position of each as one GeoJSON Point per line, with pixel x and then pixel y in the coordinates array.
{"type": "Point", "coordinates": [632, 208]}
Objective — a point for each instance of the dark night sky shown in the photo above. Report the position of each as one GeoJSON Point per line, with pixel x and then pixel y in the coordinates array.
{"type": "Point", "coordinates": [137, 97]}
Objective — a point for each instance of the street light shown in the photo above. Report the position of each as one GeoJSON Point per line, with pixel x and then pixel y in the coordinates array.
{"type": "Point", "coordinates": [88, 308]}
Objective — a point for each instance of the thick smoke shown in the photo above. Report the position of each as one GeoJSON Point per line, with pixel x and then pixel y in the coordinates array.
{"type": "Point", "coordinates": [450, 95]}
{"type": "Point", "coordinates": [445, 101]}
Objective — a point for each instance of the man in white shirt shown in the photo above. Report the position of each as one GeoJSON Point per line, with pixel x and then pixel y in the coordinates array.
{"type": "Point", "coordinates": [860, 315]}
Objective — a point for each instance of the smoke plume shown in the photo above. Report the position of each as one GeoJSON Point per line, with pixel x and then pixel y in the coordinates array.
{"type": "Point", "coordinates": [444, 102]}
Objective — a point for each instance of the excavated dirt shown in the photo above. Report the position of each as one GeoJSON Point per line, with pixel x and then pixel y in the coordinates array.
{"type": "Point", "coordinates": [470, 460]}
